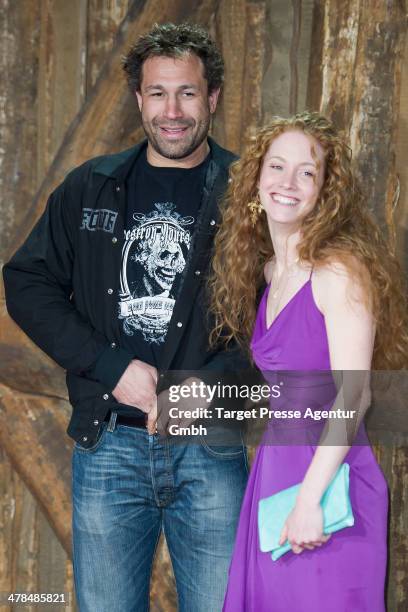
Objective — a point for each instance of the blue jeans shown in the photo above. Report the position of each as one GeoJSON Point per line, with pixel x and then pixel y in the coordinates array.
{"type": "Point", "coordinates": [129, 487]}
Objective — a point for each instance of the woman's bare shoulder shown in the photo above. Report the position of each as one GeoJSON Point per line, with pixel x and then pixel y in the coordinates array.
{"type": "Point", "coordinates": [340, 280]}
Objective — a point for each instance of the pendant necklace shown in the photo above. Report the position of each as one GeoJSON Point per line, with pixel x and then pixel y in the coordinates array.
{"type": "Point", "coordinates": [278, 292]}
{"type": "Point", "coordinates": [280, 287]}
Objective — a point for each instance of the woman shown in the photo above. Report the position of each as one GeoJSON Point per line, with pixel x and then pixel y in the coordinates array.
{"type": "Point", "coordinates": [334, 301]}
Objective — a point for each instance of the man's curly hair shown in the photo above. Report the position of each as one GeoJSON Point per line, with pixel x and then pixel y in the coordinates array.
{"type": "Point", "coordinates": [176, 41]}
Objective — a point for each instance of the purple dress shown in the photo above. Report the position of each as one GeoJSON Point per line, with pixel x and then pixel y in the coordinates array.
{"type": "Point", "coordinates": [348, 573]}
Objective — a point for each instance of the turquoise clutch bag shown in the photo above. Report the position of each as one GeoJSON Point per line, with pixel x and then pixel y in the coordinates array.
{"type": "Point", "coordinates": [273, 512]}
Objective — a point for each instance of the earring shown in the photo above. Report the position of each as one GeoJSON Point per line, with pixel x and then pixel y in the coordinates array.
{"type": "Point", "coordinates": [256, 208]}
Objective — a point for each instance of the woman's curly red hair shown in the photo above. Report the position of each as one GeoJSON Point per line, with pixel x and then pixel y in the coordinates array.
{"type": "Point", "coordinates": [340, 228]}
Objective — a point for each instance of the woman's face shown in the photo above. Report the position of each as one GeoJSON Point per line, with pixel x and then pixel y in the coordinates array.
{"type": "Point", "coordinates": [291, 177]}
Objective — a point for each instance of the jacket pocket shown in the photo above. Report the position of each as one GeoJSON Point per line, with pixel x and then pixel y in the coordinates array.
{"type": "Point", "coordinates": [97, 444]}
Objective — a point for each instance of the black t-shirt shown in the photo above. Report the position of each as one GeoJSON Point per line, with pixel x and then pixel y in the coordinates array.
{"type": "Point", "coordinates": [162, 209]}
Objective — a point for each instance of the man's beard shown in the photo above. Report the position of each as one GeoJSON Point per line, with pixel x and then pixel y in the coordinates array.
{"type": "Point", "coordinates": [179, 149]}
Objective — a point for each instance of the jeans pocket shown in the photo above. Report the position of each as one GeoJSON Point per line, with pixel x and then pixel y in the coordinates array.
{"type": "Point", "coordinates": [223, 444]}
{"type": "Point", "coordinates": [99, 440]}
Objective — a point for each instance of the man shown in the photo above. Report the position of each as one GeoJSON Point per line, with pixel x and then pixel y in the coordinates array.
{"type": "Point", "coordinates": [111, 284]}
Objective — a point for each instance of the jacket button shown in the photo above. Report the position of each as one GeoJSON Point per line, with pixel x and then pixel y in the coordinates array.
{"type": "Point", "coordinates": [212, 222]}
{"type": "Point", "coordinates": [179, 324]}
{"type": "Point", "coordinates": [114, 240]}
{"type": "Point", "coordinates": [105, 396]}
{"type": "Point", "coordinates": [197, 272]}
{"type": "Point", "coordinates": [96, 422]}
{"type": "Point", "coordinates": [85, 439]}
{"type": "Point", "coordinates": [113, 344]}
{"type": "Point", "coordinates": [110, 291]}
{"type": "Point", "coordinates": [117, 188]}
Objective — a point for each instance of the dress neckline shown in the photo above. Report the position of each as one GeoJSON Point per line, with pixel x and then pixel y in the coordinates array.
{"type": "Point", "coordinates": [294, 296]}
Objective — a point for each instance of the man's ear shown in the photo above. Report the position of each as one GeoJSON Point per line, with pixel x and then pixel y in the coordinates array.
{"type": "Point", "coordinates": [139, 100]}
{"type": "Point", "coordinates": [213, 99]}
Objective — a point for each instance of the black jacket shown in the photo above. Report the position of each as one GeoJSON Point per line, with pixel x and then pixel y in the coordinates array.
{"type": "Point", "coordinates": [62, 286]}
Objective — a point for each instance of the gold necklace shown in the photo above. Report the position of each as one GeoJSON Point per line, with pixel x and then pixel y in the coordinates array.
{"type": "Point", "coordinates": [278, 292]}
{"type": "Point", "coordinates": [278, 289]}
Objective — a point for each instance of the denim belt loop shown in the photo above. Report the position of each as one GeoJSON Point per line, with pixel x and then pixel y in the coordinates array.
{"type": "Point", "coordinates": [112, 421]}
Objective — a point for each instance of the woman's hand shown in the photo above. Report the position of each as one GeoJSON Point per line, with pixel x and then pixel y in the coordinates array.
{"type": "Point", "coordinates": [304, 527]}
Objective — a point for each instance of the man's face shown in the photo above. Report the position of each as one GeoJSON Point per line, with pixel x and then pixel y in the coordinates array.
{"type": "Point", "coordinates": [175, 105]}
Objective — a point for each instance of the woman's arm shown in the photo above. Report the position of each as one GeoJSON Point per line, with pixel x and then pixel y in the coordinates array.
{"type": "Point", "coordinates": [350, 331]}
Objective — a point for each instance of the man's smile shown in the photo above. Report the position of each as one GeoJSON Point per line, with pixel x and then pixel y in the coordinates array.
{"type": "Point", "coordinates": [173, 132]}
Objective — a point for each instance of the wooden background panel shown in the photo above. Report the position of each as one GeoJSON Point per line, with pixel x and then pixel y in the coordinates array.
{"type": "Point", "coordinates": [33, 435]}
{"type": "Point", "coordinates": [261, 41]}
{"type": "Point", "coordinates": [394, 463]}
{"type": "Point", "coordinates": [276, 82]}
{"type": "Point", "coordinates": [7, 513]}
{"type": "Point", "coordinates": [374, 126]}
{"type": "Point", "coordinates": [254, 68]}
{"type": "Point", "coordinates": [304, 52]}
{"type": "Point", "coordinates": [103, 21]}
{"type": "Point", "coordinates": [352, 42]}
{"type": "Point", "coordinates": [287, 51]}
{"type": "Point", "coordinates": [19, 43]}
{"type": "Point", "coordinates": [31, 558]}
{"type": "Point", "coordinates": [260, 73]}
{"type": "Point", "coordinates": [240, 30]}
{"type": "Point", "coordinates": [231, 35]}
{"type": "Point", "coordinates": [401, 213]}
{"type": "Point", "coordinates": [61, 83]}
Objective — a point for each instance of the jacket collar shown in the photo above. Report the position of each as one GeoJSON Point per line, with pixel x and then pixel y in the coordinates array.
{"type": "Point", "coordinates": [118, 165]}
